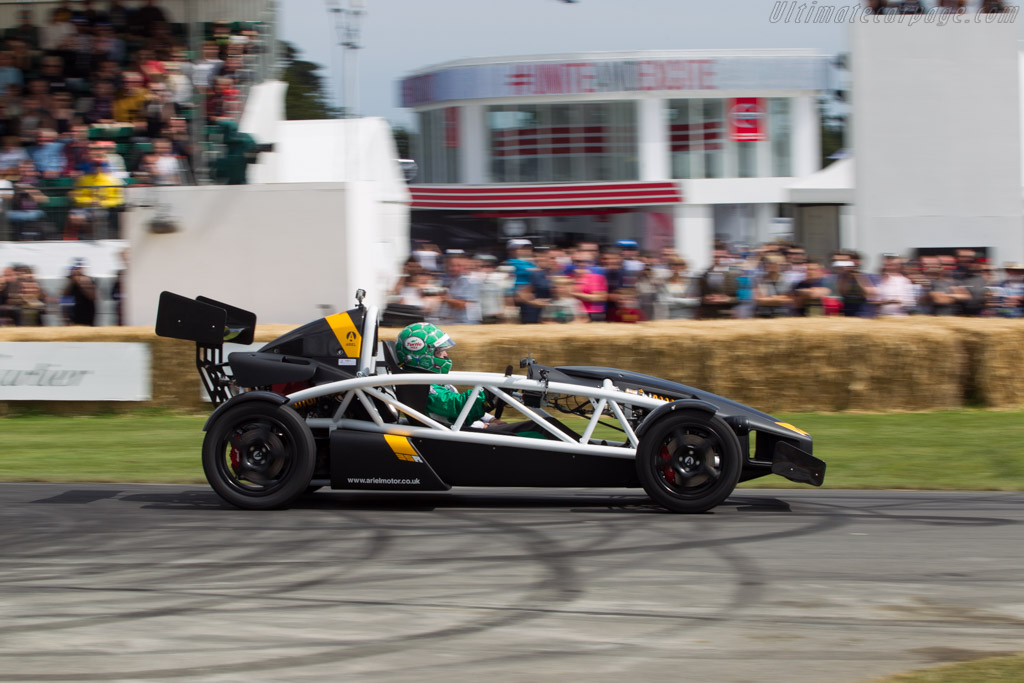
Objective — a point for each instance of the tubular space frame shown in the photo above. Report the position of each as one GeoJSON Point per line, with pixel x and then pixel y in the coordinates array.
{"type": "Point", "coordinates": [380, 387]}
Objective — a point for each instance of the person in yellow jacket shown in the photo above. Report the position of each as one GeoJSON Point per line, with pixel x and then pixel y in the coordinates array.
{"type": "Point", "coordinates": [96, 197]}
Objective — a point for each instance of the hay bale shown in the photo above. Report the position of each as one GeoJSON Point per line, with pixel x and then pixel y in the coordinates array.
{"type": "Point", "coordinates": [815, 364]}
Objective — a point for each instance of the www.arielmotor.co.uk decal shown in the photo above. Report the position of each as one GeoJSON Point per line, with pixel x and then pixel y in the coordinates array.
{"type": "Point", "coordinates": [649, 394]}
{"type": "Point", "coordinates": [345, 330]}
{"type": "Point", "coordinates": [402, 448]}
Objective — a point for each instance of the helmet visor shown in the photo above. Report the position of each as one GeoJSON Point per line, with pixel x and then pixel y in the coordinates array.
{"type": "Point", "coordinates": [443, 343]}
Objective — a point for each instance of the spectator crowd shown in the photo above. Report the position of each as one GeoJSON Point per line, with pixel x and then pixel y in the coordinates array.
{"type": "Point", "coordinates": [619, 283]}
{"type": "Point", "coordinates": [920, 7]}
{"type": "Point", "coordinates": [95, 98]}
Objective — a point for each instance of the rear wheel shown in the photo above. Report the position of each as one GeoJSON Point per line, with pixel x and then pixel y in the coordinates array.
{"type": "Point", "coordinates": [689, 461]}
{"type": "Point", "coordinates": [258, 455]}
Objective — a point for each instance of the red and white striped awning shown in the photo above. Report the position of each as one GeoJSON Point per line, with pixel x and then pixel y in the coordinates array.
{"type": "Point", "coordinates": [545, 196]}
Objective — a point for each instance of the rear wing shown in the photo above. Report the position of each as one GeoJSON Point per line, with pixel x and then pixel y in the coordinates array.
{"type": "Point", "coordinates": [205, 321]}
{"type": "Point", "coordinates": [209, 324]}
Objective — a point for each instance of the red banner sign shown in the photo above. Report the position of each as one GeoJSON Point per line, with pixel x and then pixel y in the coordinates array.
{"type": "Point", "coordinates": [451, 127]}
{"type": "Point", "coordinates": [747, 119]}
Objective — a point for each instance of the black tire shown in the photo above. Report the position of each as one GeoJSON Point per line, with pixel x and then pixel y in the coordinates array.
{"type": "Point", "coordinates": [259, 456]}
{"type": "Point", "coordinates": [689, 461]}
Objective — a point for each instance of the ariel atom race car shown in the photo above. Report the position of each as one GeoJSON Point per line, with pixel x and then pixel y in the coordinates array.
{"type": "Point", "coordinates": [327, 405]}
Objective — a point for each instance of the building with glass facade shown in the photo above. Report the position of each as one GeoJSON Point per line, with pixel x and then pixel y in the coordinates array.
{"type": "Point", "coordinates": [671, 148]}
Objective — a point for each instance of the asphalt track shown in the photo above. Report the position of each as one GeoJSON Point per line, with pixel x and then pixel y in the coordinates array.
{"type": "Point", "coordinates": [147, 582]}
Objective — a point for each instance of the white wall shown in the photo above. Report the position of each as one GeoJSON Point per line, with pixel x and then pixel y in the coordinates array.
{"type": "Point", "coordinates": [937, 128]}
{"type": "Point", "coordinates": [279, 251]}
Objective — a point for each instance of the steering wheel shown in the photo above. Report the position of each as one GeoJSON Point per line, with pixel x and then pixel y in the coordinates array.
{"type": "Point", "coordinates": [493, 403]}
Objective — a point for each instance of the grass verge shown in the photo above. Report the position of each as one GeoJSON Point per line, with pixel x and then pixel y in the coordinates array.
{"type": "Point", "coordinates": [968, 449]}
{"type": "Point", "coordinates": [992, 670]}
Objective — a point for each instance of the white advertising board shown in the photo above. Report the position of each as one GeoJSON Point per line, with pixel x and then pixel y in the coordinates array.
{"type": "Point", "coordinates": [74, 371]}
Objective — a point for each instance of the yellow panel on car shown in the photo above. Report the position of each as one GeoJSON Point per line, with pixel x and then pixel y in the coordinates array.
{"type": "Point", "coordinates": [345, 330]}
{"type": "Point", "coordinates": [402, 448]}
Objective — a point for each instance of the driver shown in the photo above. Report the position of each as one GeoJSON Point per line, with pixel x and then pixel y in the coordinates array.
{"type": "Point", "coordinates": [424, 346]}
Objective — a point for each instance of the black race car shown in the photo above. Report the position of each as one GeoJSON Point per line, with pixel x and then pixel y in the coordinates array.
{"type": "Point", "coordinates": [327, 405]}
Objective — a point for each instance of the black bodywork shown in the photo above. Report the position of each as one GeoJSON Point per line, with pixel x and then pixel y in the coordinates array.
{"type": "Point", "coordinates": [250, 390]}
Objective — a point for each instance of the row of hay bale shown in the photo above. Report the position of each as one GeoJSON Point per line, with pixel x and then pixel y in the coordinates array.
{"type": "Point", "coordinates": [816, 364]}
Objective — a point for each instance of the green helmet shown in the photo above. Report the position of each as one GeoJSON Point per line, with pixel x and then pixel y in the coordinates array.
{"type": "Point", "coordinates": [417, 345]}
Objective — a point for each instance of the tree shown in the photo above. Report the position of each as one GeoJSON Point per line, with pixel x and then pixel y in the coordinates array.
{"type": "Point", "coordinates": [402, 142]}
{"type": "Point", "coordinates": [307, 97]}
{"type": "Point", "coordinates": [833, 131]}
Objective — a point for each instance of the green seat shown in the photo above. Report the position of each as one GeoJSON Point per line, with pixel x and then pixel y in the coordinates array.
{"type": "Point", "coordinates": [58, 183]}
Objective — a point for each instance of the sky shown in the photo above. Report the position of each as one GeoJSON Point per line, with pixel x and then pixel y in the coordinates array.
{"type": "Point", "coordinates": [402, 36]}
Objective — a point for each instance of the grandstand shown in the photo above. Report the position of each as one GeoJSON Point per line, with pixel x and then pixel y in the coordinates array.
{"type": "Point", "coordinates": [207, 140]}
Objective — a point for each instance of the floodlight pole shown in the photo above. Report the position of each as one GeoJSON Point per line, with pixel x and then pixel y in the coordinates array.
{"type": "Point", "coordinates": [348, 15]}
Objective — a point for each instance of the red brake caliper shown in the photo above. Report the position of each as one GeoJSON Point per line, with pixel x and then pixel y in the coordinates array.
{"type": "Point", "coordinates": [666, 465]}
{"type": "Point", "coordinates": [236, 457]}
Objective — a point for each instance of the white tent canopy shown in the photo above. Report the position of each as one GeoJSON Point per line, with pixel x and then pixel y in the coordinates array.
{"type": "Point", "coordinates": [833, 184]}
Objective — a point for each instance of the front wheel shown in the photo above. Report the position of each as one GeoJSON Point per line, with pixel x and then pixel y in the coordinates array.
{"type": "Point", "coordinates": [259, 456]}
{"type": "Point", "coordinates": [689, 461]}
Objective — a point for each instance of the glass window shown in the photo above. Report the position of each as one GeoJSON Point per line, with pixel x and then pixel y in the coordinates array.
{"type": "Point", "coordinates": [747, 150]}
{"type": "Point", "coordinates": [438, 150]}
{"type": "Point", "coordinates": [713, 138]}
{"type": "Point", "coordinates": [684, 138]}
{"type": "Point", "coordinates": [781, 136]}
{"type": "Point", "coordinates": [563, 142]}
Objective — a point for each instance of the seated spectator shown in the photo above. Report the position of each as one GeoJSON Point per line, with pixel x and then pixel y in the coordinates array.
{"type": "Point", "coordinates": [166, 166]}
{"type": "Point", "coordinates": [52, 71]}
{"type": "Point", "coordinates": [26, 30]}
{"type": "Point", "coordinates": [11, 156]}
{"type": "Point", "coordinates": [181, 143]}
{"type": "Point", "coordinates": [118, 16]}
{"type": "Point", "coordinates": [894, 293]}
{"type": "Point", "coordinates": [79, 297]}
{"type": "Point", "coordinates": [877, 6]}
{"type": "Point", "coordinates": [103, 100]}
{"type": "Point", "coordinates": [8, 289]}
{"type": "Point", "coordinates": [130, 105]}
{"type": "Point", "coordinates": [48, 154]}
{"type": "Point", "coordinates": [810, 293]}
{"type": "Point", "coordinates": [56, 35]}
{"type": "Point", "coordinates": [9, 74]}
{"type": "Point", "coordinates": [77, 151]}
{"type": "Point", "coordinates": [106, 45]}
{"type": "Point", "coordinates": [992, 7]}
{"type": "Point", "coordinates": [224, 102]}
{"type": "Point", "coordinates": [179, 82]}
{"type": "Point", "coordinates": [96, 195]}
{"type": "Point", "coordinates": [28, 305]}
{"type": "Point", "coordinates": [34, 116]}
{"type": "Point", "coordinates": [563, 306]}
{"type": "Point", "coordinates": [145, 18]}
{"type": "Point", "coordinates": [159, 110]}
{"type": "Point", "coordinates": [107, 151]}
{"type": "Point", "coordinates": [909, 7]}
{"type": "Point", "coordinates": [1012, 291]}
{"type": "Point", "coordinates": [26, 214]}
{"type": "Point", "coordinates": [64, 114]}
{"type": "Point", "coordinates": [208, 68]}
{"type": "Point", "coordinates": [959, 6]}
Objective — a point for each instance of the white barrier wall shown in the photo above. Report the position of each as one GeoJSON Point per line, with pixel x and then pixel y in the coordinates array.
{"type": "Point", "coordinates": [937, 137]}
{"type": "Point", "coordinates": [288, 252]}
